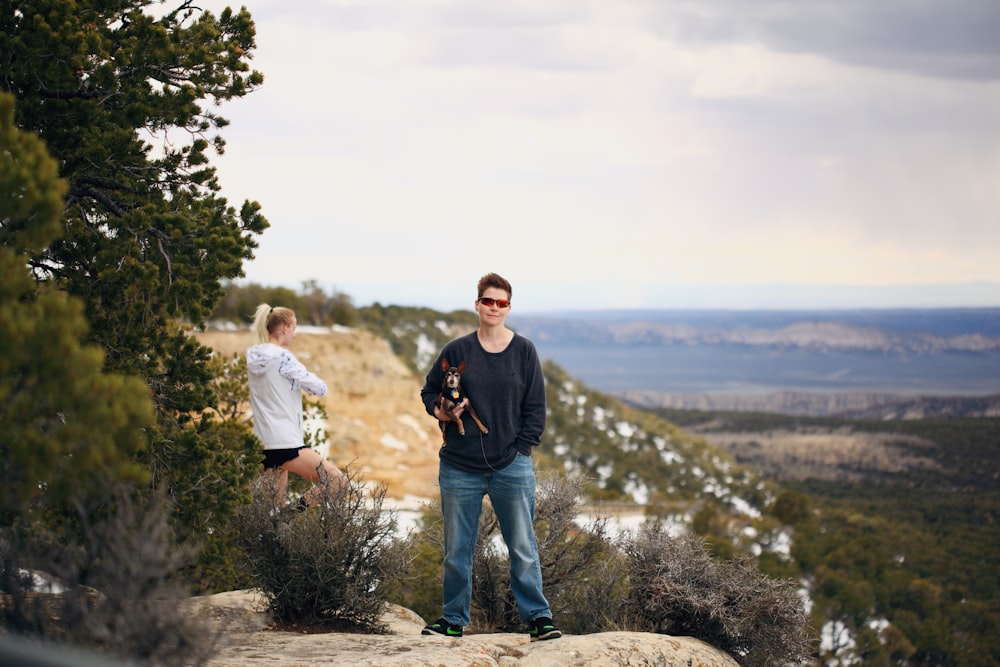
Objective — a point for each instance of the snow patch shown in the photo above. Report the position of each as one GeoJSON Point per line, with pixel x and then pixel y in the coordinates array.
{"type": "Point", "coordinates": [391, 441]}
{"type": "Point", "coordinates": [410, 422]}
{"type": "Point", "coordinates": [638, 491]}
{"type": "Point", "coordinates": [741, 505]}
{"type": "Point", "coordinates": [625, 429]}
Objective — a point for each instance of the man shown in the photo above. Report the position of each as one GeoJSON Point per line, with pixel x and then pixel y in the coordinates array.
{"type": "Point", "coordinates": [503, 381]}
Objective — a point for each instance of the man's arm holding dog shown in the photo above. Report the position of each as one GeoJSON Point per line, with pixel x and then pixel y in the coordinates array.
{"type": "Point", "coordinates": [432, 389]}
{"type": "Point", "coordinates": [454, 415]}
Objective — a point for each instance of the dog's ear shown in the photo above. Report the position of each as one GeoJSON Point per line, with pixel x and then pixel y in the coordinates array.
{"type": "Point", "coordinates": [461, 367]}
{"type": "Point", "coordinates": [444, 364]}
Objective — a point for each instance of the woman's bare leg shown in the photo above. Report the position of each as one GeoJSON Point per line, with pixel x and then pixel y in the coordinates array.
{"type": "Point", "coordinates": [312, 466]}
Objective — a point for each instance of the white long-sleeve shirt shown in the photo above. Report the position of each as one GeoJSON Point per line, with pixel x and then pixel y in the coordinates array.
{"type": "Point", "coordinates": [277, 380]}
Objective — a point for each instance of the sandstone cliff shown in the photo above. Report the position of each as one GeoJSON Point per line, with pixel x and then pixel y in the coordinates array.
{"type": "Point", "coordinates": [376, 422]}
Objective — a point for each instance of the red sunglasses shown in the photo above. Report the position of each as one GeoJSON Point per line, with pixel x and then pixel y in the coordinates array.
{"type": "Point", "coordinates": [489, 301]}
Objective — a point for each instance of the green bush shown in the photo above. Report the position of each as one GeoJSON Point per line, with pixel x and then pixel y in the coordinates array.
{"type": "Point", "coordinates": [419, 586]}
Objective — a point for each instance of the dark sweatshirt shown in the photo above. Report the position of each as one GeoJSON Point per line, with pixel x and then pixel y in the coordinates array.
{"type": "Point", "coordinates": [507, 391]}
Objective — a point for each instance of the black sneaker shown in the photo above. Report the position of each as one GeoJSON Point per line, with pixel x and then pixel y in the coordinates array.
{"type": "Point", "coordinates": [442, 627]}
{"type": "Point", "coordinates": [543, 628]}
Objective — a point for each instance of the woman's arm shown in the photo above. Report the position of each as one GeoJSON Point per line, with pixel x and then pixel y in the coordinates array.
{"type": "Point", "coordinates": [296, 373]}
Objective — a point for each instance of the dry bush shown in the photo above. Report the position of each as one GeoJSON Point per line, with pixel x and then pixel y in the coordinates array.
{"type": "Point", "coordinates": [675, 587]}
{"type": "Point", "coordinates": [581, 569]}
{"type": "Point", "coordinates": [122, 592]}
{"type": "Point", "coordinates": [648, 582]}
{"type": "Point", "coordinates": [574, 561]}
{"type": "Point", "coordinates": [324, 566]}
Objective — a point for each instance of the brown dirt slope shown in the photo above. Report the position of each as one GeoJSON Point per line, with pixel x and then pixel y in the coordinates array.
{"type": "Point", "coordinates": [376, 422]}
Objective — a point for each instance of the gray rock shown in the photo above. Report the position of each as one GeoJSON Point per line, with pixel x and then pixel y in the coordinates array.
{"type": "Point", "coordinates": [247, 642]}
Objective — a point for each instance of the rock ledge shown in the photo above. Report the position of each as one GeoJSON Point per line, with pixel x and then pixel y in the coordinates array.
{"type": "Point", "coordinates": [247, 643]}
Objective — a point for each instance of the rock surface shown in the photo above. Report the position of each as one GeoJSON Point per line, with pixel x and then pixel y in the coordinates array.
{"type": "Point", "coordinates": [248, 642]}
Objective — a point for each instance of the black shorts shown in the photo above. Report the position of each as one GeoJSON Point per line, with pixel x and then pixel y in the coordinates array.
{"type": "Point", "coordinates": [273, 458]}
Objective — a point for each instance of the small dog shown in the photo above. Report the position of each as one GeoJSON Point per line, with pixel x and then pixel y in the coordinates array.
{"type": "Point", "coordinates": [451, 395]}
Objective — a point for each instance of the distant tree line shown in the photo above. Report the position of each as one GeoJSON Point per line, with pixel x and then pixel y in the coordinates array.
{"type": "Point", "coordinates": [312, 305]}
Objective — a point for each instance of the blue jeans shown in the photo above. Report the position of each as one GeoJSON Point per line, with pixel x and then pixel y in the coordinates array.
{"type": "Point", "coordinates": [512, 494]}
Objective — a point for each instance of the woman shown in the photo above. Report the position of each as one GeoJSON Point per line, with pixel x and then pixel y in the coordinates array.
{"type": "Point", "coordinates": [503, 381]}
{"type": "Point", "coordinates": [277, 380]}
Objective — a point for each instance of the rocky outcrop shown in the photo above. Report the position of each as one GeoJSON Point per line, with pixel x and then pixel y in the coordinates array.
{"type": "Point", "coordinates": [247, 641]}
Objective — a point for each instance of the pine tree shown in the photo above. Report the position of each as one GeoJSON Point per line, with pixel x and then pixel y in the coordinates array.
{"type": "Point", "coordinates": [70, 429]}
{"type": "Point", "coordinates": [123, 99]}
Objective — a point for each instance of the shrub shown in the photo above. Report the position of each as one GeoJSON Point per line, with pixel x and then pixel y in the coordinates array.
{"type": "Point", "coordinates": [119, 589]}
{"type": "Point", "coordinates": [675, 587]}
{"type": "Point", "coordinates": [647, 582]}
{"type": "Point", "coordinates": [325, 566]}
{"type": "Point", "coordinates": [580, 568]}
{"type": "Point", "coordinates": [419, 586]}
{"type": "Point", "coordinates": [575, 564]}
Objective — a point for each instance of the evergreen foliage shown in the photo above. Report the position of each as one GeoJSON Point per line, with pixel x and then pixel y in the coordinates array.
{"type": "Point", "coordinates": [32, 190]}
{"type": "Point", "coordinates": [633, 456]}
{"type": "Point", "coordinates": [899, 559]}
{"type": "Point", "coordinates": [70, 429]}
{"type": "Point", "coordinates": [122, 94]}
{"type": "Point", "coordinates": [416, 334]}
{"type": "Point", "coordinates": [72, 433]}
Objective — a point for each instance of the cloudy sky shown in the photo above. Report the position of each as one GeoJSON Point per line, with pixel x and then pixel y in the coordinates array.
{"type": "Point", "coordinates": [626, 153]}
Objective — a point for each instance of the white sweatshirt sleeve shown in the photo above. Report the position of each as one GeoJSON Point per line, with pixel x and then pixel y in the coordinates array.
{"type": "Point", "coordinates": [296, 373]}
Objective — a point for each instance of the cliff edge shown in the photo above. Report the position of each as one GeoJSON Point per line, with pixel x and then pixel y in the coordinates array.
{"type": "Point", "coordinates": [247, 641]}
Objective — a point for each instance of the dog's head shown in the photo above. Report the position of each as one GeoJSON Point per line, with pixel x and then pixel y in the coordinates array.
{"type": "Point", "coordinates": [452, 374]}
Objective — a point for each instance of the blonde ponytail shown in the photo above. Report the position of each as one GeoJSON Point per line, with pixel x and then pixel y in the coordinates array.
{"type": "Point", "coordinates": [267, 319]}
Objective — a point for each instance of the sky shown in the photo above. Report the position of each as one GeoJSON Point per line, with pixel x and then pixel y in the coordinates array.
{"type": "Point", "coordinates": [625, 153]}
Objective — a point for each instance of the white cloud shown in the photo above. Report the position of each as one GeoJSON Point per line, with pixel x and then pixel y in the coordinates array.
{"type": "Point", "coordinates": [639, 149]}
